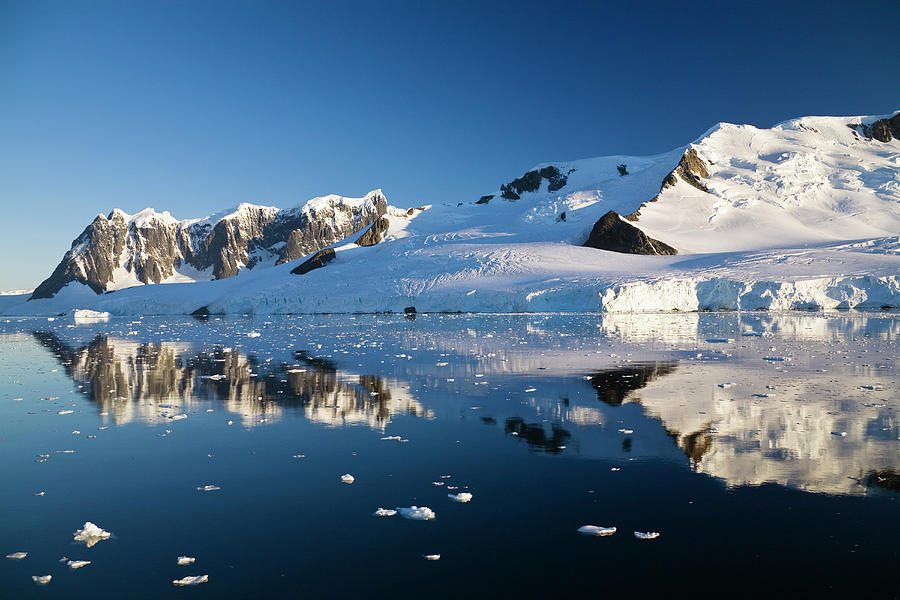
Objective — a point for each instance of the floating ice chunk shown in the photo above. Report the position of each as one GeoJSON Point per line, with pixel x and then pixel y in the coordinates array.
{"type": "Point", "coordinates": [529, 390]}
{"type": "Point", "coordinates": [726, 385]}
{"type": "Point", "coordinates": [596, 530]}
{"type": "Point", "coordinates": [76, 432]}
{"type": "Point", "coordinates": [437, 483]}
{"type": "Point", "coordinates": [347, 478]}
{"type": "Point", "coordinates": [41, 493]}
{"type": "Point", "coordinates": [208, 488]}
{"type": "Point", "coordinates": [460, 497]}
{"type": "Point", "coordinates": [384, 512]}
{"type": "Point", "coordinates": [776, 358]}
{"type": "Point", "coordinates": [41, 579]}
{"type": "Point", "coordinates": [186, 560]}
{"type": "Point", "coordinates": [17, 555]}
{"type": "Point", "coordinates": [416, 513]}
{"type": "Point", "coordinates": [65, 412]}
{"type": "Point", "coordinates": [646, 535]}
{"type": "Point", "coordinates": [470, 293]}
{"type": "Point", "coordinates": [626, 431]}
{"type": "Point", "coordinates": [254, 334]}
{"type": "Point", "coordinates": [873, 387]}
{"type": "Point", "coordinates": [192, 580]}
{"type": "Point", "coordinates": [751, 334]}
{"type": "Point", "coordinates": [391, 437]}
{"type": "Point", "coordinates": [83, 315]}
{"type": "Point", "coordinates": [178, 417]}
{"type": "Point", "coordinates": [720, 340]}
{"type": "Point", "coordinates": [614, 469]}
{"type": "Point", "coordinates": [90, 534]}
{"type": "Point", "coordinates": [77, 564]}
{"type": "Point", "coordinates": [431, 556]}
{"type": "Point", "coordinates": [839, 433]}
{"type": "Point", "coordinates": [763, 395]}
{"type": "Point", "coordinates": [299, 456]}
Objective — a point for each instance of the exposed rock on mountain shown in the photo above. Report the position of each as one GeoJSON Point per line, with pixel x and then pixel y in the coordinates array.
{"type": "Point", "coordinates": [612, 233]}
{"type": "Point", "coordinates": [122, 250]}
{"type": "Point", "coordinates": [374, 233]}
{"type": "Point", "coordinates": [531, 182]}
{"type": "Point", "coordinates": [691, 169]}
{"type": "Point", "coordinates": [883, 130]}
{"type": "Point", "coordinates": [316, 261]}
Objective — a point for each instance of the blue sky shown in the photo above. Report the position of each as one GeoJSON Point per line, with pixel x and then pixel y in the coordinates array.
{"type": "Point", "coordinates": [194, 106]}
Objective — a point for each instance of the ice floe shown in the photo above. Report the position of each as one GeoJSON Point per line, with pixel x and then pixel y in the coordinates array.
{"type": "Point", "coordinates": [596, 530]}
{"type": "Point", "coordinates": [460, 497]}
{"type": "Point", "coordinates": [347, 478]}
{"type": "Point", "coordinates": [384, 512]}
{"type": "Point", "coordinates": [646, 535]}
{"type": "Point", "coordinates": [208, 488]}
{"type": "Point", "coordinates": [186, 560]}
{"type": "Point", "coordinates": [431, 556]}
{"type": "Point", "coordinates": [191, 580]}
{"type": "Point", "coordinates": [91, 534]}
{"type": "Point", "coordinates": [77, 564]}
{"type": "Point", "coordinates": [17, 555]}
{"type": "Point", "coordinates": [416, 513]}
{"type": "Point", "coordinates": [41, 579]}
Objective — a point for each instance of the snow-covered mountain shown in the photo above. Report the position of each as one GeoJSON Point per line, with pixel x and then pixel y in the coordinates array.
{"type": "Point", "coordinates": [805, 214]}
{"type": "Point", "coordinates": [122, 250]}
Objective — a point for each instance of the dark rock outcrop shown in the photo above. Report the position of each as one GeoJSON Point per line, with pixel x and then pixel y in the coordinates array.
{"type": "Point", "coordinates": [691, 169]}
{"type": "Point", "coordinates": [374, 233]}
{"type": "Point", "coordinates": [612, 233]}
{"type": "Point", "coordinates": [531, 182]}
{"type": "Point", "coordinates": [883, 130]}
{"type": "Point", "coordinates": [485, 199]}
{"type": "Point", "coordinates": [622, 169]}
{"type": "Point", "coordinates": [152, 246]}
{"type": "Point", "coordinates": [316, 261]}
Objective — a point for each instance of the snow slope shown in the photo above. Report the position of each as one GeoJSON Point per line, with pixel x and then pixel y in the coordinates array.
{"type": "Point", "coordinates": [805, 214]}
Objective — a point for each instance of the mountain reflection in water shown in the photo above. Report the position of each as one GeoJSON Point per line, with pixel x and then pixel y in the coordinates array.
{"type": "Point", "coordinates": [147, 382]}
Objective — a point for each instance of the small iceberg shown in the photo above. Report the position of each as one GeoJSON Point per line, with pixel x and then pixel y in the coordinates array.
{"type": "Point", "coordinates": [596, 530]}
{"type": "Point", "coordinates": [646, 535]}
{"type": "Point", "coordinates": [83, 316]}
{"type": "Point", "coordinates": [178, 417]}
{"type": "Point", "coordinates": [347, 478]}
{"type": "Point", "coordinates": [17, 555]}
{"type": "Point", "coordinates": [431, 556]}
{"type": "Point", "coordinates": [41, 579]}
{"type": "Point", "coordinates": [382, 512]}
{"type": "Point", "coordinates": [416, 513]}
{"type": "Point", "coordinates": [186, 560]}
{"type": "Point", "coordinates": [90, 534]}
{"type": "Point", "coordinates": [460, 497]}
{"type": "Point", "coordinates": [208, 488]}
{"type": "Point", "coordinates": [191, 580]}
{"type": "Point", "coordinates": [77, 564]}
{"type": "Point", "coordinates": [726, 385]}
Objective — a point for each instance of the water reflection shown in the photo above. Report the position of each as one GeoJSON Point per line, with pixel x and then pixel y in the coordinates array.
{"type": "Point", "coordinates": [149, 382]}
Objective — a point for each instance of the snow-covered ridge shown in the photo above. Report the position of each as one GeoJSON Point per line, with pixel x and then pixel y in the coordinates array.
{"type": "Point", "coordinates": [802, 215]}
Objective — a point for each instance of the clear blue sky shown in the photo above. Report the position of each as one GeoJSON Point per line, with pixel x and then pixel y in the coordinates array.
{"type": "Point", "coordinates": [194, 106]}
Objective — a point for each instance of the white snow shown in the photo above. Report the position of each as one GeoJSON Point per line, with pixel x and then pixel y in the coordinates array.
{"type": "Point", "coordinates": [41, 579]}
{"type": "Point", "coordinates": [384, 512]}
{"type": "Point", "coordinates": [803, 215]}
{"type": "Point", "coordinates": [596, 530]}
{"type": "Point", "coordinates": [77, 564]}
{"type": "Point", "coordinates": [460, 497]}
{"type": "Point", "coordinates": [417, 513]}
{"type": "Point", "coordinates": [91, 534]}
{"type": "Point", "coordinates": [186, 560]}
{"type": "Point", "coordinates": [347, 478]}
{"type": "Point", "coordinates": [17, 555]}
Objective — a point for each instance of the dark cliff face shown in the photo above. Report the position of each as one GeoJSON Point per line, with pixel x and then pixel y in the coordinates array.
{"type": "Point", "coordinates": [152, 249]}
{"type": "Point", "coordinates": [883, 130]}
{"type": "Point", "coordinates": [691, 169]}
{"type": "Point", "coordinates": [612, 233]}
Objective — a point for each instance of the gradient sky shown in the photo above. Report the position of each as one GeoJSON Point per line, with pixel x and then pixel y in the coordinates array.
{"type": "Point", "coordinates": [193, 106]}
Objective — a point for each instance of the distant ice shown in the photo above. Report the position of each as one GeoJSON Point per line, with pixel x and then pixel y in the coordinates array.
{"type": "Point", "coordinates": [649, 535]}
{"type": "Point", "coordinates": [384, 512]}
{"type": "Point", "coordinates": [186, 560]}
{"type": "Point", "coordinates": [191, 580]}
{"type": "Point", "coordinates": [91, 534]}
{"type": "Point", "coordinates": [17, 555]}
{"type": "Point", "coordinates": [596, 530]}
{"type": "Point", "coordinates": [41, 579]}
{"type": "Point", "coordinates": [208, 488]}
{"type": "Point", "coordinates": [417, 513]}
{"type": "Point", "coordinates": [460, 497]}
{"type": "Point", "coordinates": [432, 556]}
{"type": "Point", "coordinates": [347, 478]}
{"type": "Point", "coordinates": [77, 564]}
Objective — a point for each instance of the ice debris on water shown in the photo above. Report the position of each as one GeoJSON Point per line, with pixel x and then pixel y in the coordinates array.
{"type": "Point", "coordinates": [726, 385]}
{"type": "Point", "coordinates": [186, 560]}
{"type": "Point", "coordinates": [431, 556]}
{"type": "Point", "coordinates": [178, 417]}
{"type": "Point", "coordinates": [191, 580]}
{"type": "Point", "coordinates": [384, 512]}
{"type": "Point", "coordinates": [208, 488]}
{"type": "Point", "coordinates": [347, 478]}
{"type": "Point", "coordinates": [596, 530]}
{"type": "Point", "coordinates": [65, 412]}
{"type": "Point", "coordinates": [77, 564]}
{"type": "Point", "coordinates": [17, 555]}
{"type": "Point", "coordinates": [646, 535]}
{"type": "Point", "coordinates": [460, 497]}
{"type": "Point", "coordinates": [626, 431]}
{"type": "Point", "coordinates": [416, 513]}
{"type": "Point", "coordinates": [41, 579]}
{"type": "Point", "coordinates": [839, 433]}
{"type": "Point", "coordinates": [91, 534]}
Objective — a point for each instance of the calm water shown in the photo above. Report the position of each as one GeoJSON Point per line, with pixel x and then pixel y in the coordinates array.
{"type": "Point", "coordinates": [764, 449]}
